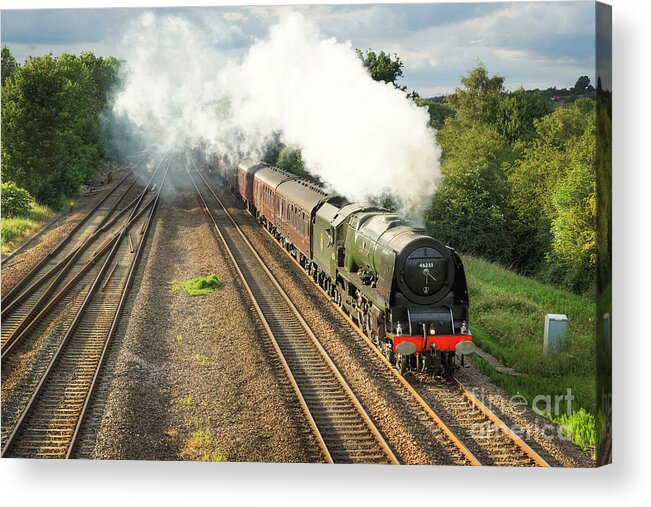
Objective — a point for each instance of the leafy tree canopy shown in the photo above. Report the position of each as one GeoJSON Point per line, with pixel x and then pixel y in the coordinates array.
{"type": "Point", "coordinates": [382, 67]}
{"type": "Point", "coordinates": [51, 137]}
{"type": "Point", "coordinates": [9, 64]}
{"type": "Point", "coordinates": [582, 86]}
{"type": "Point", "coordinates": [291, 159]}
{"type": "Point", "coordinates": [476, 101]}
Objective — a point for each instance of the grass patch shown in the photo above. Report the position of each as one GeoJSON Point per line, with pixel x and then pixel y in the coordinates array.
{"type": "Point", "coordinates": [201, 360]}
{"type": "Point", "coordinates": [507, 313]}
{"type": "Point", "coordinates": [187, 401]}
{"type": "Point", "coordinates": [197, 286]}
{"type": "Point", "coordinates": [179, 339]}
{"type": "Point", "coordinates": [15, 229]}
{"type": "Point", "coordinates": [203, 446]}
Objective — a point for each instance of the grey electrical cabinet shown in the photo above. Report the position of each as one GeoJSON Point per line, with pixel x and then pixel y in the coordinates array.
{"type": "Point", "coordinates": [555, 329]}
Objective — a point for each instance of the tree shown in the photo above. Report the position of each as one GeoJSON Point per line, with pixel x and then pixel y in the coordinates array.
{"type": "Point", "coordinates": [383, 68]}
{"type": "Point", "coordinates": [33, 122]}
{"type": "Point", "coordinates": [272, 149]}
{"type": "Point", "coordinates": [470, 210]}
{"type": "Point", "coordinates": [553, 195]}
{"type": "Point", "coordinates": [574, 225]}
{"type": "Point", "coordinates": [516, 111]}
{"type": "Point", "coordinates": [438, 111]}
{"type": "Point", "coordinates": [477, 100]}
{"type": "Point", "coordinates": [15, 201]}
{"type": "Point", "coordinates": [104, 74]}
{"type": "Point", "coordinates": [582, 86]}
{"type": "Point", "coordinates": [51, 138]}
{"type": "Point", "coordinates": [9, 64]}
{"type": "Point", "coordinates": [291, 160]}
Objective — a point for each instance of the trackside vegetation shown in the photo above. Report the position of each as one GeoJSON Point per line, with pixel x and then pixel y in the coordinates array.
{"type": "Point", "coordinates": [200, 286]}
{"type": "Point", "coordinates": [21, 215]}
{"type": "Point", "coordinates": [507, 316]}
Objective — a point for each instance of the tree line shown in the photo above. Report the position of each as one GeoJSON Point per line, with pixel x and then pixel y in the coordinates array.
{"type": "Point", "coordinates": [52, 138]}
{"type": "Point", "coordinates": [518, 182]}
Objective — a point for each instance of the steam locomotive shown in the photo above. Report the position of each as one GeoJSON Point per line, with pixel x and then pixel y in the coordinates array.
{"type": "Point", "coordinates": [404, 289]}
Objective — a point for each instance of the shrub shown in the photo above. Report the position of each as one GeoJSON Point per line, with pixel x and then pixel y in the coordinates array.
{"type": "Point", "coordinates": [16, 201]}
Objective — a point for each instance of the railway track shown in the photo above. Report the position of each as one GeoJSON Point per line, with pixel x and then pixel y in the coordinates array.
{"type": "Point", "coordinates": [63, 249]}
{"type": "Point", "coordinates": [481, 436]}
{"type": "Point", "coordinates": [490, 438]}
{"type": "Point", "coordinates": [50, 273]}
{"type": "Point", "coordinates": [345, 432]}
{"type": "Point", "coordinates": [60, 275]}
{"type": "Point", "coordinates": [48, 423]}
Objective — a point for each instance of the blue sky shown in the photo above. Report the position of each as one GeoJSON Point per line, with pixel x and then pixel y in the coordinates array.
{"type": "Point", "coordinates": [532, 44]}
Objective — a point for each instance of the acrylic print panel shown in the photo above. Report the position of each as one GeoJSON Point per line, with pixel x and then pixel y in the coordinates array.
{"type": "Point", "coordinates": [320, 234]}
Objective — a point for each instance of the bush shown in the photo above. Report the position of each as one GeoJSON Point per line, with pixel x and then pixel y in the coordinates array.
{"type": "Point", "coordinates": [16, 201]}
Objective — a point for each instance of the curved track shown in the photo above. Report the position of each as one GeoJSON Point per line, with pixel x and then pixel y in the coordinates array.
{"type": "Point", "coordinates": [63, 250]}
{"type": "Point", "coordinates": [63, 266]}
{"type": "Point", "coordinates": [48, 423]}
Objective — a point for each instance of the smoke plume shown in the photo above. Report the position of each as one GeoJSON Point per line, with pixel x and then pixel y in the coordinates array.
{"type": "Point", "coordinates": [360, 136]}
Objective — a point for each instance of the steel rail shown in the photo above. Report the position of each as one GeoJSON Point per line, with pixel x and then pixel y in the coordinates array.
{"type": "Point", "coordinates": [46, 303]}
{"type": "Point", "coordinates": [125, 291]}
{"type": "Point", "coordinates": [290, 375]}
{"type": "Point", "coordinates": [63, 266]}
{"type": "Point", "coordinates": [71, 328]}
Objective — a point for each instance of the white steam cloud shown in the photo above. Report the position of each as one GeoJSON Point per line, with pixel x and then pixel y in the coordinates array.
{"type": "Point", "coordinates": [360, 136]}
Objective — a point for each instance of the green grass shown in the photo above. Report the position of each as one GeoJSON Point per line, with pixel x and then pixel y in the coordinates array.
{"type": "Point", "coordinates": [205, 446]}
{"type": "Point", "coordinates": [15, 229]}
{"type": "Point", "coordinates": [197, 286]}
{"type": "Point", "coordinates": [581, 427]}
{"type": "Point", "coordinates": [507, 314]}
{"type": "Point", "coordinates": [201, 360]}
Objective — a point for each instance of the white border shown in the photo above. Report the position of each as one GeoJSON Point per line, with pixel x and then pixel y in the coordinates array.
{"type": "Point", "coordinates": [26, 482]}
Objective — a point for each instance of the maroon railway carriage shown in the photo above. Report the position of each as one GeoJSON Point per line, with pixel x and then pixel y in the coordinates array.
{"type": "Point", "coordinates": [265, 182]}
{"type": "Point", "coordinates": [229, 173]}
{"type": "Point", "coordinates": [296, 202]}
{"type": "Point", "coordinates": [244, 184]}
